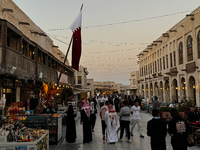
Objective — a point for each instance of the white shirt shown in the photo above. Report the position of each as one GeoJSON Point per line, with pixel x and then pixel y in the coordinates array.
{"type": "Point", "coordinates": [101, 99]}
{"type": "Point", "coordinates": [105, 98]}
{"type": "Point", "coordinates": [136, 112]}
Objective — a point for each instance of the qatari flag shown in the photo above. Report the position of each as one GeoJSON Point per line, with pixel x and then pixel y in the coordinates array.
{"type": "Point", "coordinates": [76, 46]}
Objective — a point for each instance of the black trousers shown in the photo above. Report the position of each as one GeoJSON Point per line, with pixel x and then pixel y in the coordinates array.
{"type": "Point", "coordinates": [92, 120]}
{"type": "Point", "coordinates": [103, 124]}
{"type": "Point", "coordinates": [124, 125]}
{"type": "Point", "coordinates": [179, 148]}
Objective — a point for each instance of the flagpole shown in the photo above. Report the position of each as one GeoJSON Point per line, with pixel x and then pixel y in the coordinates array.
{"type": "Point", "coordinates": [65, 60]}
{"type": "Point", "coordinates": [66, 55]}
{"type": "Point", "coordinates": [81, 7]}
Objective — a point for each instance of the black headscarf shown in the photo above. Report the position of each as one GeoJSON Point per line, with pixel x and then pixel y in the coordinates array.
{"type": "Point", "coordinates": [70, 111]}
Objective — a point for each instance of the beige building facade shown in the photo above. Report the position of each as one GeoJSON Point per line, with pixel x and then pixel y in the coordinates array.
{"type": "Point", "coordinates": [134, 85]}
{"type": "Point", "coordinates": [90, 86]}
{"type": "Point", "coordinates": [80, 78]}
{"type": "Point", "coordinates": [28, 55]}
{"type": "Point", "coordinates": [110, 87]}
{"type": "Point", "coordinates": [169, 67]}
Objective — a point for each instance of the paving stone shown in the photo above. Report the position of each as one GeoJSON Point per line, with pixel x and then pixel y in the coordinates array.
{"type": "Point", "coordinates": [137, 143]}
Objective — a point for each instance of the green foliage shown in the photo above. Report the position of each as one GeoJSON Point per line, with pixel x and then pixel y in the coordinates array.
{"type": "Point", "coordinates": [180, 108]}
{"type": "Point", "coordinates": [188, 104]}
{"type": "Point", "coordinates": [165, 109]}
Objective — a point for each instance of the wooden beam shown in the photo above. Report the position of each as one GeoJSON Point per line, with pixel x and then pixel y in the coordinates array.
{"type": "Point", "coordinates": [7, 10]}
{"type": "Point", "coordinates": [24, 23]}
{"type": "Point", "coordinates": [188, 15]}
{"type": "Point", "coordinates": [41, 34]}
{"type": "Point", "coordinates": [160, 41]}
{"type": "Point", "coordinates": [172, 30]}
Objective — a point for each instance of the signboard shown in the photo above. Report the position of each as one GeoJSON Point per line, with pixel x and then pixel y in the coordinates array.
{"type": "Point", "coordinates": [63, 78]}
{"type": "Point", "coordinates": [173, 71]}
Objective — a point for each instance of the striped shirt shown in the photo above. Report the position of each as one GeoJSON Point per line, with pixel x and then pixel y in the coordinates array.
{"type": "Point", "coordinates": [125, 113]}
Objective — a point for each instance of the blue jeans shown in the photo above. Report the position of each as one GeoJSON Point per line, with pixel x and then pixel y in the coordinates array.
{"type": "Point", "coordinates": [101, 104]}
{"type": "Point", "coordinates": [156, 148]}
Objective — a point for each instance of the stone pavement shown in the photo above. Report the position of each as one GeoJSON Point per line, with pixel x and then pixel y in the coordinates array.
{"type": "Point", "coordinates": [97, 144]}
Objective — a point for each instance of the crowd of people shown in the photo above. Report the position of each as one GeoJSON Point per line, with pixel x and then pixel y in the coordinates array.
{"type": "Point", "coordinates": [126, 111]}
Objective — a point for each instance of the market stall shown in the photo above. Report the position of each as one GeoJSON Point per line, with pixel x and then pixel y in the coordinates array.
{"type": "Point", "coordinates": [40, 144]}
{"type": "Point", "coordinates": [51, 122]}
{"type": "Point", "coordinates": [17, 115]}
{"type": "Point", "coordinates": [17, 136]}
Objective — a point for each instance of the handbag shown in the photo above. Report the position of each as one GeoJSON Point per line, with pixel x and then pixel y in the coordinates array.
{"type": "Point", "coordinates": [190, 140]}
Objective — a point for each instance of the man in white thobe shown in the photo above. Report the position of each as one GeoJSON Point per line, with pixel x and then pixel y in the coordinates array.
{"type": "Point", "coordinates": [111, 120]}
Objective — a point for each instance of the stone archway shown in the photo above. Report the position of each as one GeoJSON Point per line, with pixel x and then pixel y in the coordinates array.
{"type": "Point", "coordinates": [161, 91]}
{"type": "Point", "coordinates": [167, 91]}
{"type": "Point", "coordinates": [142, 91]}
{"type": "Point", "coordinates": [174, 90]}
{"type": "Point", "coordinates": [151, 90]}
{"type": "Point", "coordinates": [156, 89]}
{"type": "Point", "coordinates": [182, 89]}
{"type": "Point", "coordinates": [147, 90]}
{"type": "Point", "coordinates": [192, 89]}
{"type": "Point", "coordinates": [138, 91]}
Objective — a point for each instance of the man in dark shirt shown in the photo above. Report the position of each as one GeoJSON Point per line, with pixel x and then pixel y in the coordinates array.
{"type": "Point", "coordinates": [157, 130]}
{"type": "Point", "coordinates": [193, 115]}
{"type": "Point", "coordinates": [155, 103]}
{"type": "Point", "coordinates": [116, 102]}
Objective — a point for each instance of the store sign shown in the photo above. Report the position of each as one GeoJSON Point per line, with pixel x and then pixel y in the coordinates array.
{"type": "Point", "coordinates": [63, 78]}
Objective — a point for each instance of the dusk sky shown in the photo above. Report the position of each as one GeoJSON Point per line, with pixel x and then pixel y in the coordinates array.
{"type": "Point", "coordinates": [109, 52]}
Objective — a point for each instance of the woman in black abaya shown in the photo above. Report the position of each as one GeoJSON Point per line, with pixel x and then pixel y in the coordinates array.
{"type": "Point", "coordinates": [71, 128]}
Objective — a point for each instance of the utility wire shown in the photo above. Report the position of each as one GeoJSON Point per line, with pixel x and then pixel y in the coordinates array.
{"type": "Point", "coordinates": [124, 22]}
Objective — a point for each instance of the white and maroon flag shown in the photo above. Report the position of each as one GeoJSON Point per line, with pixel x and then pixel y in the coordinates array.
{"type": "Point", "coordinates": [76, 46]}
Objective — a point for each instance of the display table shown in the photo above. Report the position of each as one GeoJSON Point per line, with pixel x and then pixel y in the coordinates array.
{"type": "Point", "coordinates": [51, 122]}
{"type": "Point", "coordinates": [41, 144]}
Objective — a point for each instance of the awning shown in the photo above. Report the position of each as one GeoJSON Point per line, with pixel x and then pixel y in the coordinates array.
{"type": "Point", "coordinates": [78, 91]}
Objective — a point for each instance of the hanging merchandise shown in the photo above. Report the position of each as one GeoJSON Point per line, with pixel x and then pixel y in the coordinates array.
{"type": "Point", "coordinates": [2, 103]}
{"type": "Point", "coordinates": [28, 101]}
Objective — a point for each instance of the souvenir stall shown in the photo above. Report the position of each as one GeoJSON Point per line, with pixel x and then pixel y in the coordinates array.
{"type": "Point", "coordinates": [16, 118]}
{"type": "Point", "coordinates": [15, 135]}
